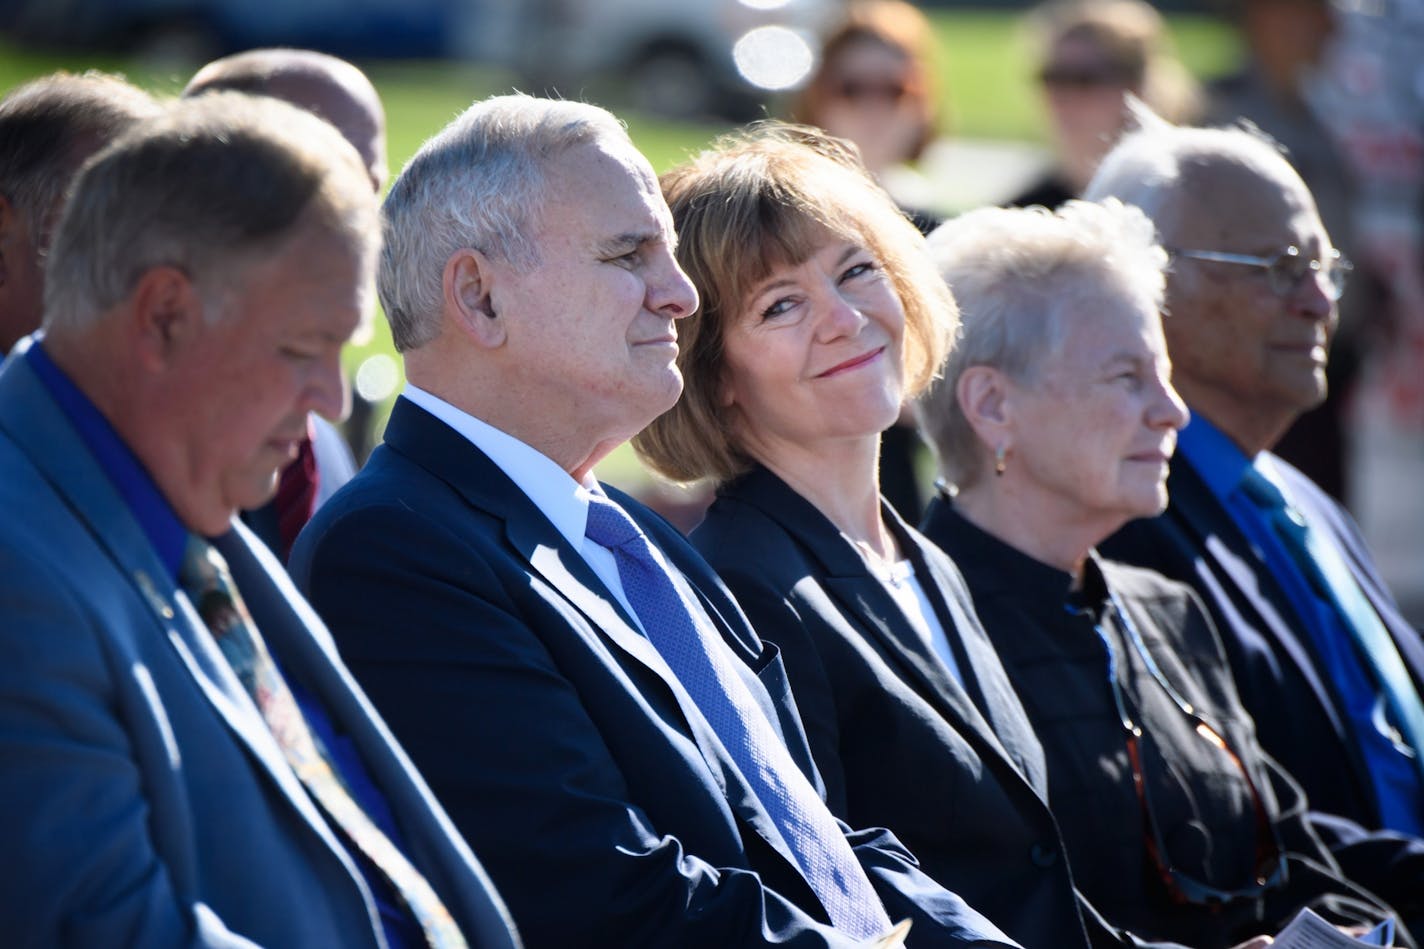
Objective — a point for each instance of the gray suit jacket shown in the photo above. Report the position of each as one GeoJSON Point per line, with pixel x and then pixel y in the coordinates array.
{"type": "Point", "coordinates": [143, 801]}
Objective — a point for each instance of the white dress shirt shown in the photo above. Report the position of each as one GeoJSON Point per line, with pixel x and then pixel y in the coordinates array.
{"type": "Point", "coordinates": [552, 489]}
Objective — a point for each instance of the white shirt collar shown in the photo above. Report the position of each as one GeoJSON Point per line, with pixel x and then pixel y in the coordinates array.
{"type": "Point", "coordinates": [554, 492]}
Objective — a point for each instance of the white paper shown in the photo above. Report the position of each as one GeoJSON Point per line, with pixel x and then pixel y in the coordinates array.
{"type": "Point", "coordinates": [1309, 931]}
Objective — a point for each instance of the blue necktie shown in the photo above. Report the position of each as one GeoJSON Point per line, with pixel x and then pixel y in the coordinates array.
{"type": "Point", "coordinates": [683, 635]}
{"type": "Point", "coordinates": [1330, 577]}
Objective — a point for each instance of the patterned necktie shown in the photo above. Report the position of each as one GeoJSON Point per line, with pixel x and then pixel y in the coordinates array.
{"type": "Point", "coordinates": [684, 637]}
{"type": "Point", "coordinates": [1330, 577]}
{"type": "Point", "coordinates": [205, 578]}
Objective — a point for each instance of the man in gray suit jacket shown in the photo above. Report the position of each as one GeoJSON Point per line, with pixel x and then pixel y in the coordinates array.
{"type": "Point", "coordinates": [160, 680]}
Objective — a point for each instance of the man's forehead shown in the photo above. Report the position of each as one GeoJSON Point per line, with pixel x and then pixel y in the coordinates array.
{"type": "Point", "coordinates": [1243, 203]}
{"type": "Point", "coordinates": [608, 180]}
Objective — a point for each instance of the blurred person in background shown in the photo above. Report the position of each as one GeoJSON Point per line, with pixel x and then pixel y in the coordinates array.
{"type": "Point", "coordinates": [1053, 426]}
{"type": "Point", "coordinates": [340, 93]}
{"type": "Point", "coordinates": [1330, 671]}
{"type": "Point", "coordinates": [820, 311]}
{"type": "Point", "coordinates": [48, 128]}
{"type": "Point", "coordinates": [875, 87]}
{"type": "Point", "coordinates": [1091, 54]}
{"type": "Point", "coordinates": [1285, 44]}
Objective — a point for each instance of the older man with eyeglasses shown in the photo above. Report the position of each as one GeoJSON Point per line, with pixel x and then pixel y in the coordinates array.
{"type": "Point", "coordinates": [1324, 660]}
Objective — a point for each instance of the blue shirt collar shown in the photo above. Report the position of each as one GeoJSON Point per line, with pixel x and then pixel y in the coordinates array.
{"type": "Point", "coordinates": [147, 504]}
{"type": "Point", "coordinates": [1215, 457]}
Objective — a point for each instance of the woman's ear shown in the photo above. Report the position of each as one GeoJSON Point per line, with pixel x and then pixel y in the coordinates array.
{"type": "Point", "coordinates": [984, 397]}
{"type": "Point", "coordinates": [468, 283]}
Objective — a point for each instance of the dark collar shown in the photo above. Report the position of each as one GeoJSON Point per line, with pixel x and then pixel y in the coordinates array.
{"type": "Point", "coordinates": [993, 568]}
{"type": "Point", "coordinates": [764, 490]}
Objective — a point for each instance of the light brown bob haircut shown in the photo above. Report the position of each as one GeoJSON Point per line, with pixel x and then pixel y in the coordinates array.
{"type": "Point", "coordinates": [761, 199]}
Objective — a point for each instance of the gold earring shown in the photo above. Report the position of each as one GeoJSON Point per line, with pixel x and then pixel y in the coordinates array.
{"type": "Point", "coordinates": [999, 462]}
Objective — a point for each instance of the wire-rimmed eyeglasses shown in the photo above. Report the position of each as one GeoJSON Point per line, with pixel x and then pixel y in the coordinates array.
{"type": "Point", "coordinates": [1269, 871]}
{"type": "Point", "coordinates": [1287, 269]}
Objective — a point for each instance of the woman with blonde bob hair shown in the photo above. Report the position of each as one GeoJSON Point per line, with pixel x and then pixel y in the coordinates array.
{"type": "Point", "coordinates": [820, 312]}
{"type": "Point", "coordinates": [1053, 424]}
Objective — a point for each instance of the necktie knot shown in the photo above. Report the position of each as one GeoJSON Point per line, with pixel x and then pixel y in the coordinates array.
{"type": "Point", "coordinates": [1261, 491]}
{"type": "Point", "coordinates": [608, 524]}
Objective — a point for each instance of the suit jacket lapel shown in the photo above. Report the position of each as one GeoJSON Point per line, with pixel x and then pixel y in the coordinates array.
{"type": "Point", "coordinates": [450, 457]}
{"type": "Point", "coordinates": [1233, 556]}
{"type": "Point", "coordinates": [66, 462]}
{"type": "Point", "coordinates": [307, 654]}
{"type": "Point", "coordinates": [1009, 726]}
{"type": "Point", "coordinates": [1324, 514]}
{"type": "Point", "coordinates": [866, 600]}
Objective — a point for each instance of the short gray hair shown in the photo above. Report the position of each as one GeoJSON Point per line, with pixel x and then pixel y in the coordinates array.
{"type": "Point", "coordinates": [1152, 165]}
{"type": "Point", "coordinates": [1014, 271]}
{"type": "Point", "coordinates": [209, 187]}
{"type": "Point", "coordinates": [50, 125]}
{"type": "Point", "coordinates": [476, 184]}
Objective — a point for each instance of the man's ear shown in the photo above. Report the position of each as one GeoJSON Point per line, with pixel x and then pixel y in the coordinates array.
{"type": "Point", "coordinates": [165, 314]}
{"type": "Point", "coordinates": [985, 399]}
{"type": "Point", "coordinates": [468, 283]}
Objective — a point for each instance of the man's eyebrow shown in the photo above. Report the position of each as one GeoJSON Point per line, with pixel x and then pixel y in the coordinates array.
{"type": "Point", "coordinates": [629, 240]}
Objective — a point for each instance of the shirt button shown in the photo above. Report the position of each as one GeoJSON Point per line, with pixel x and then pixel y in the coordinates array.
{"type": "Point", "coordinates": [1043, 856]}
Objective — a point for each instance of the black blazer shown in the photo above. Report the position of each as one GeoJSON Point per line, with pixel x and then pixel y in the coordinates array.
{"type": "Point", "coordinates": [1051, 643]}
{"type": "Point", "coordinates": [1287, 690]}
{"type": "Point", "coordinates": [956, 772]}
{"type": "Point", "coordinates": [605, 810]}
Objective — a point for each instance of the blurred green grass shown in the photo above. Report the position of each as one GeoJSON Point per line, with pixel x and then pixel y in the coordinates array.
{"type": "Point", "coordinates": [983, 77]}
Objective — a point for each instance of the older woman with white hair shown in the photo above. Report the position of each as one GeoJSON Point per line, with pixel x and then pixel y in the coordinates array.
{"type": "Point", "coordinates": [1053, 425]}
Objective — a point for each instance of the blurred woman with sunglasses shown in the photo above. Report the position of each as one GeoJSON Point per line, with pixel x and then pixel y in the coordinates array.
{"type": "Point", "coordinates": [874, 86]}
{"type": "Point", "coordinates": [1054, 422]}
{"type": "Point", "coordinates": [1091, 54]}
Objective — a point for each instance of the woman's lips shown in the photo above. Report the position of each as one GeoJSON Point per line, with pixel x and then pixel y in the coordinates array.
{"type": "Point", "coordinates": [850, 364]}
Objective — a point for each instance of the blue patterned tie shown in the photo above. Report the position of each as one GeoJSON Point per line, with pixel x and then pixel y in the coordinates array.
{"type": "Point", "coordinates": [1330, 577]}
{"type": "Point", "coordinates": [684, 636]}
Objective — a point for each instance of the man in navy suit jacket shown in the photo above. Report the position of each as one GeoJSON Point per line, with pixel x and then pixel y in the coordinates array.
{"type": "Point", "coordinates": [530, 282]}
{"type": "Point", "coordinates": [207, 270]}
{"type": "Point", "coordinates": [1251, 308]}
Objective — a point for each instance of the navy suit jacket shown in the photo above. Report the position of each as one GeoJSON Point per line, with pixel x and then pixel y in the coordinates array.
{"type": "Point", "coordinates": [1292, 698]}
{"type": "Point", "coordinates": [1299, 719]}
{"type": "Point", "coordinates": [143, 801]}
{"type": "Point", "coordinates": [956, 772]}
{"type": "Point", "coordinates": [605, 808]}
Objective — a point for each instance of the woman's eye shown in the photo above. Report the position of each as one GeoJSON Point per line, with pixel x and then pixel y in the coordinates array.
{"type": "Point", "coordinates": [856, 270]}
{"type": "Point", "coordinates": [779, 307]}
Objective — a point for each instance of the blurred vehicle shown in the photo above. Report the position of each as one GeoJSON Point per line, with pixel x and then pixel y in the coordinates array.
{"type": "Point", "coordinates": [674, 57]}
{"type": "Point", "coordinates": [671, 57]}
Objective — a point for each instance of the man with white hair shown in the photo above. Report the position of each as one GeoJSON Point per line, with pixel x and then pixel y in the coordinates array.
{"type": "Point", "coordinates": [186, 761]}
{"type": "Point", "coordinates": [1326, 664]}
{"type": "Point", "coordinates": [584, 695]}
